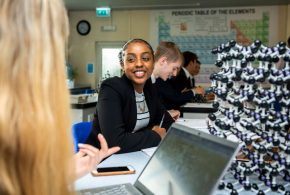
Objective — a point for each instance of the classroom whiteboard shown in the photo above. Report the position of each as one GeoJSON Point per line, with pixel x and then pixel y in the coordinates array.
{"type": "Point", "coordinates": [201, 30]}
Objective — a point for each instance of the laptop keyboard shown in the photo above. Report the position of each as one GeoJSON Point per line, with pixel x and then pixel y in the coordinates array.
{"type": "Point", "coordinates": [122, 189]}
{"type": "Point", "coordinates": [118, 190]}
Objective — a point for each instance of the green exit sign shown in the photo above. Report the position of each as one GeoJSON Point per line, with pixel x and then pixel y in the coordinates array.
{"type": "Point", "coordinates": [103, 12]}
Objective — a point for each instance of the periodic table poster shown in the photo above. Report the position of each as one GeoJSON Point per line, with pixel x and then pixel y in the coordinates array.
{"type": "Point", "coordinates": [201, 30]}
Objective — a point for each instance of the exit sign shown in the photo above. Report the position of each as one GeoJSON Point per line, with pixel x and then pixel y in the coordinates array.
{"type": "Point", "coordinates": [103, 12]}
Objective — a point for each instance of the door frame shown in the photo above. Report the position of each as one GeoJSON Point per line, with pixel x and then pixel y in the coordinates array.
{"type": "Point", "coordinates": [102, 45]}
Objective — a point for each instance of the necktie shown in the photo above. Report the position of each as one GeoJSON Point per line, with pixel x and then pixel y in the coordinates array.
{"type": "Point", "coordinates": [193, 83]}
{"type": "Point", "coordinates": [189, 83]}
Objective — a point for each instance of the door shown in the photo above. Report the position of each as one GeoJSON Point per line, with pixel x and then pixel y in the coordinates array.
{"type": "Point", "coordinates": [107, 60]}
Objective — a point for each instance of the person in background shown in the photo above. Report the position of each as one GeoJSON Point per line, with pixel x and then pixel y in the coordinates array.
{"type": "Point", "coordinates": [168, 60]}
{"type": "Point", "coordinates": [180, 88]}
{"type": "Point", "coordinates": [203, 97]}
{"type": "Point", "coordinates": [129, 113]}
{"type": "Point", "coordinates": [185, 79]}
{"type": "Point", "coordinates": [36, 147]}
{"type": "Point", "coordinates": [171, 98]}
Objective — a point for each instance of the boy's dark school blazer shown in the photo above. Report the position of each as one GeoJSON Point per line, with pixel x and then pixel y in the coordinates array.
{"type": "Point", "coordinates": [180, 82]}
{"type": "Point", "coordinates": [116, 116]}
{"type": "Point", "coordinates": [170, 97]}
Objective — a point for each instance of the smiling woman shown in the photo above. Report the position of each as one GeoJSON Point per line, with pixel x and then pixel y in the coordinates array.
{"type": "Point", "coordinates": [138, 64]}
{"type": "Point", "coordinates": [128, 110]}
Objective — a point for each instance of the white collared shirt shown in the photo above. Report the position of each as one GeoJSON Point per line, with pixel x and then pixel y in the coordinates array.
{"type": "Point", "coordinates": [153, 79]}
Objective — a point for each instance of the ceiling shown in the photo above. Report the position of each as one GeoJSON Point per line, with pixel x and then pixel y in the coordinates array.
{"type": "Point", "coordinates": [74, 5]}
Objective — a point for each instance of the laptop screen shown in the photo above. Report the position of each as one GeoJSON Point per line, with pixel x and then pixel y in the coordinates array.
{"type": "Point", "coordinates": [186, 162]}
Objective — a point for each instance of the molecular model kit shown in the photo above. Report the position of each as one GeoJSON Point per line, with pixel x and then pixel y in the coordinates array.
{"type": "Point", "coordinates": [253, 105]}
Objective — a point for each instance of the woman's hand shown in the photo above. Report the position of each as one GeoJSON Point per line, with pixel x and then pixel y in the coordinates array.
{"type": "Point", "coordinates": [88, 156]}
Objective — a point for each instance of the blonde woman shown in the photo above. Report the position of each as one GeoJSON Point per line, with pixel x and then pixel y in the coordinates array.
{"type": "Point", "coordinates": [35, 141]}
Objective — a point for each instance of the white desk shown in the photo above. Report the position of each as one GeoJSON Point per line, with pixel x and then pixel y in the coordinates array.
{"type": "Point", "coordinates": [200, 124]}
{"type": "Point", "coordinates": [83, 111]}
{"type": "Point", "coordinates": [137, 160]}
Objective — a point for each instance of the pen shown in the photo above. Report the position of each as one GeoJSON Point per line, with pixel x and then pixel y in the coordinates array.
{"type": "Point", "coordinates": [161, 122]}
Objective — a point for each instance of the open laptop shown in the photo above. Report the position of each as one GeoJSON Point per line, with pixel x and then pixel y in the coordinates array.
{"type": "Point", "coordinates": [187, 161]}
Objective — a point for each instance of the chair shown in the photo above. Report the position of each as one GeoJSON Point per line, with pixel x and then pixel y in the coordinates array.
{"type": "Point", "coordinates": [80, 132]}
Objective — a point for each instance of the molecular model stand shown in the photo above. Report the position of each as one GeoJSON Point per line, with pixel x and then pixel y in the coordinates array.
{"type": "Point", "coordinates": [253, 107]}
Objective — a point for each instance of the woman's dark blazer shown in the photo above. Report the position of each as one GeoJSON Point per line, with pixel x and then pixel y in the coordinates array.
{"type": "Point", "coordinates": [116, 116]}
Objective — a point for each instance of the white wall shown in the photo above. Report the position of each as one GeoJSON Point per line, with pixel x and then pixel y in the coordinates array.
{"type": "Point", "coordinates": [129, 24]}
{"type": "Point", "coordinates": [81, 49]}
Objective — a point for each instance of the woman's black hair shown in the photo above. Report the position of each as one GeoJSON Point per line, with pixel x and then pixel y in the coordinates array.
{"type": "Point", "coordinates": [125, 46]}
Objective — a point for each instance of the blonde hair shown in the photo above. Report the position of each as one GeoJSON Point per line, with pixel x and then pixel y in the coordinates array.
{"type": "Point", "coordinates": [35, 146]}
{"type": "Point", "coordinates": [169, 50]}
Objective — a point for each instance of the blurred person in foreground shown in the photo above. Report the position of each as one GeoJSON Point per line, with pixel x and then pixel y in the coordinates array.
{"type": "Point", "coordinates": [35, 138]}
